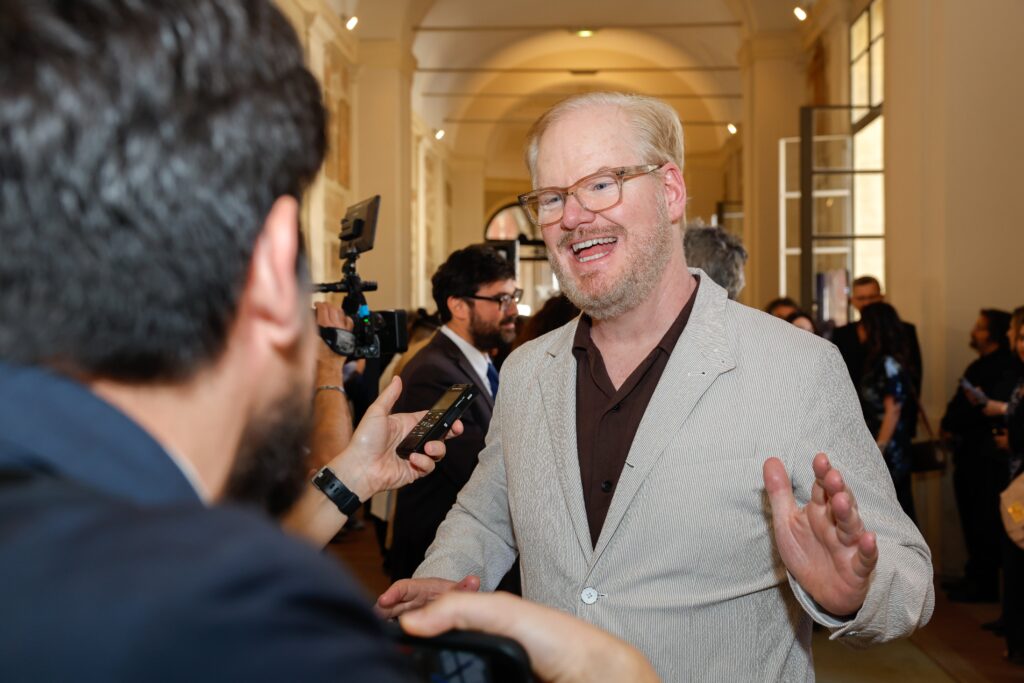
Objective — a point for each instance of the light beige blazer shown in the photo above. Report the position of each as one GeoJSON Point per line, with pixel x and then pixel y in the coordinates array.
{"type": "Point", "coordinates": [686, 567]}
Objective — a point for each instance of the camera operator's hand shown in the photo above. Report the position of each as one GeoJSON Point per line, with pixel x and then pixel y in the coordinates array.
{"type": "Point", "coordinates": [329, 315]}
{"type": "Point", "coordinates": [562, 648]}
{"type": "Point", "coordinates": [370, 464]}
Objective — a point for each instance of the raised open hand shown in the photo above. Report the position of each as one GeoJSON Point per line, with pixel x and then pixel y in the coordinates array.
{"type": "Point", "coordinates": [824, 544]}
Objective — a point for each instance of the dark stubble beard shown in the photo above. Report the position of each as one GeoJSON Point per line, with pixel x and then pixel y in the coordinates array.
{"type": "Point", "coordinates": [641, 276]}
{"type": "Point", "coordinates": [487, 337]}
{"type": "Point", "coordinates": [271, 469]}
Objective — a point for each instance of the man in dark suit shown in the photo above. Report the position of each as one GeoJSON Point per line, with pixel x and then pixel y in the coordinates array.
{"type": "Point", "coordinates": [865, 291]}
{"type": "Point", "coordinates": [476, 296]}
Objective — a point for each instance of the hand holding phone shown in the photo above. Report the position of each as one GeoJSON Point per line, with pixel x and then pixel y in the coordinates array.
{"type": "Point", "coordinates": [438, 420]}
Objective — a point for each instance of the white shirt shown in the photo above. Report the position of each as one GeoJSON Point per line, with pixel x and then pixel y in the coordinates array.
{"type": "Point", "coordinates": [477, 358]}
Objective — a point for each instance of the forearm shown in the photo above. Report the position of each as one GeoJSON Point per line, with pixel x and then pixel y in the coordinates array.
{"type": "Point", "coordinates": [889, 422]}
{"type": "Point", "coordinates": [332, 417]}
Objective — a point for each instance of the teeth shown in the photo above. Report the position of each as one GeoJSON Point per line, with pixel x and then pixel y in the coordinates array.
{"type": "Point", "coordinates": [580, 246]}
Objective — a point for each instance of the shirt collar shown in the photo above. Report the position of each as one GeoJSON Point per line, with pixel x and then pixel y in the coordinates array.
{"type": "Point", "coordinates": [53, 424]}
{"type": "Point", "coordinates": [478, 360]}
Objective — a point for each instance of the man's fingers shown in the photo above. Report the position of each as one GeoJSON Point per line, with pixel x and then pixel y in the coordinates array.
{"type": "Point", "coordinates": [456, 430]}
{"type": "Point", "coordinates": [408, 594]}
{"type": "Point", "coordinates": [780, 490]}
{"type": "Point", "coordinates": [488, 613]}
{"type": "Point", "coordinates": [469, 584]}
{"type": "Point", "coordinates": [849, 525]}
{"type": "Point", "coordinates": [867, 555]}
{"type": "Point", "coordinates": [424, 464]}
{"type": "Point", "coordinates": [395, 593]}
{"type": "Point", "coordinates": [386, 401]}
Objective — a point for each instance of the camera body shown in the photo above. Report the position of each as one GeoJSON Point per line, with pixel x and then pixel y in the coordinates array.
{"type": "Point", "coordinates": [374, 333]}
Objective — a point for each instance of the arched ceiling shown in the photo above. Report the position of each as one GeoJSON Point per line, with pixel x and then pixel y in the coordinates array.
{"type": "Point", "coordinates": [487, 69]}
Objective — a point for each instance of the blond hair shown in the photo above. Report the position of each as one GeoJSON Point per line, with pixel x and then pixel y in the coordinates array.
{"type": "Point", "coordinates": [656, 125]}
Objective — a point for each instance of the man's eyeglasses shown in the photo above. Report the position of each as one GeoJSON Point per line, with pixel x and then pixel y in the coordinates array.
{"type": "Point", "coordinates": [596, 192]}
{"type": "Point", "coordinates": [503, 300]}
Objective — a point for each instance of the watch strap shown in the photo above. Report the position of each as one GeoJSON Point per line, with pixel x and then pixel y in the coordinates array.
{"type": "Point", "coordinates": [333, 488]}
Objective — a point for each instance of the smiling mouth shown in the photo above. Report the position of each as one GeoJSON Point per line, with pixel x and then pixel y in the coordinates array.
{"type": "Point", "coordinates": [593, 249]}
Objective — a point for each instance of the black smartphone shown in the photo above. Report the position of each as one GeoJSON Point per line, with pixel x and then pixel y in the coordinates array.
{"type": "Point", "coordinates": [438, 420]}
{"type": "Point", "coordinates": [463, 657]}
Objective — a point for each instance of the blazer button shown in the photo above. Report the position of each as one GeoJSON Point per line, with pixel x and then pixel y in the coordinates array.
{"type": "Point", "coordinates": [588, 596]}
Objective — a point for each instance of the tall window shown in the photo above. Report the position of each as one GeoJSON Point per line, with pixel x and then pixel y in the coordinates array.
{"type": "Point", "coordinates": [867, 79]}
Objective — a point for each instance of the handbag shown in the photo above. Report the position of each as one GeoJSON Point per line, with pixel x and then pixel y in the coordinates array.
{"type": "Point", "coordinates": [931, 455]}
{"type": "Point", "coordinates": [1011, 507]}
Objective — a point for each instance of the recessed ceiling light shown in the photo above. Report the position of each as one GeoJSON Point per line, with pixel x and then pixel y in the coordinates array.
{"type": "Point", "coordinates": [800, 13]}
{"type": "Point", "coordinates": [585, 32]}
{"type": "Point", "coordinates": [351, 23]}
{"type": "Point", "coordinates": [439, 134]}
{"type": "Point", "coordinates": [732, 128]}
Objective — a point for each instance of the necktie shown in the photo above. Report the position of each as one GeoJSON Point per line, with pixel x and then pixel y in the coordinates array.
{"type": "Point", "coordinates": [492, 378]}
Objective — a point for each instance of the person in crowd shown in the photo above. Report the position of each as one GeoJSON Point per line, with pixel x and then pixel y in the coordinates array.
{"type": "Point", "coordinates": [157, 345]}
{"type": "Point", "coordinates": [783, 307]}
{"type": "Point", "coordinates": [719, 254]}
{"type": "Point", "coordinates": [886, 390]}
{"type": "Point", "coordinates": [556, 311]}
{"type": "Point", "coordinates": [866, 290]}
{"type": "Point", "coordinates": [1010, 440]}
{"type": "Point", "coordinates": [631, 452]}
{"type": "Point", "coordinates": [476, 295]}
{"type": "Point", "coordinates": [979, 472]}
{"type": "Point", "coordinates": [802, 320]}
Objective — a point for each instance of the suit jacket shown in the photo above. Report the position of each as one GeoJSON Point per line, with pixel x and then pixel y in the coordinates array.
{"type": "Point", "coordinates": [421, 506]}
{"type": "Point", "coordinates": [111, 568]}
{"type": "Point", "coordinates": [686, 566]}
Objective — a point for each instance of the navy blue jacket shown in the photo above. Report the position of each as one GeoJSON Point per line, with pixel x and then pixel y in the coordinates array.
{"type": "Point", "coordinates": [112, 569]}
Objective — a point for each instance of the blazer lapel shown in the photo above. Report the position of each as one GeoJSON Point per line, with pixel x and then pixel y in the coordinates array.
{"type": "Point", "coordinates": [557, 379]}
{"type": "Point", "coordinates": [463, 364]}
{"type": "Point", "coordinates": [700, 356]}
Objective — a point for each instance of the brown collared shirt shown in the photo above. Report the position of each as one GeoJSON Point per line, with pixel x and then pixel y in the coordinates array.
{"type": "Point", "coordinates": [606, 418]}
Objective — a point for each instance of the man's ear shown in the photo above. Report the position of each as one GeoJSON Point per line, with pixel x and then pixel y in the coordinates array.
{"type": "Point", "coordinates": [675, 191]}
{"type": "Point", "coordinates": [272, 290]}
{"type": "Point", "coordinates": [458, 307]}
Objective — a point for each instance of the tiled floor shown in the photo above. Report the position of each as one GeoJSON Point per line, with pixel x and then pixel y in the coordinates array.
{"type": "Point", "coordinates": [952, 648]}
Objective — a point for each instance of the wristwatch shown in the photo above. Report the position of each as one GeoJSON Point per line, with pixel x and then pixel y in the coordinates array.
{"type": "Point", "coordinates": [340, 495]}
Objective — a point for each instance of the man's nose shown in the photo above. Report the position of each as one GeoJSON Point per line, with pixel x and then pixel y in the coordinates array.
{"type": "Point", "coordinates": [574, 213]}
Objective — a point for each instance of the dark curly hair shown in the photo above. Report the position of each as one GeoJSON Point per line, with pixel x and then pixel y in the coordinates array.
{"type": "Point", "coordinates": [466, 271]}
{"type": "Point", "coordinates": [142, 144]}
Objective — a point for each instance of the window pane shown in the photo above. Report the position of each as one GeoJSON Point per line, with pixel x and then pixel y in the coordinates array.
{"type": "Point", "coordinates": [868, 154]}
{"type": "Point", "coordinates": [859, 36]}
{"type": "Point", "coordinates": [831, 152]}
{"type": "Point", "coordinates": [859, 85]}
{"type": "Point", "coordinates": [877, 18]}
{"type": "Point", "coordinates": [831, 216]}
{"type": "Point", "coordinates": [869, 259]}
{"type": "Point", "coordinates": [869, 204]}
{"type": "Point", "coordinates": [878, 72]}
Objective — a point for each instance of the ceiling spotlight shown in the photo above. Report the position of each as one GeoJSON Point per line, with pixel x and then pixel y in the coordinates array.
{"type": "Point", "coordinates": [439, 134]}
{"type": "Point", "coordinates": [800, 13]}
{"type": "Point", "coordinates": [351, 23]}
{"type": "Point", "coordinates": [584, 32]}
{"type": "Point", "coordinates": [732, 128]}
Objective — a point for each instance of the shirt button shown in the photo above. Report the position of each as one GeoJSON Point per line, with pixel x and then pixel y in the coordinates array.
{"type": "Point", "coordinates": [606, 486]}
{"type": "Point", "coordinates": [589, 595]}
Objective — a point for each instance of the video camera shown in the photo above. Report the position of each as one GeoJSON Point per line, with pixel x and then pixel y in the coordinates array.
{"type": "Point", "coordinates": [373, 332]}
